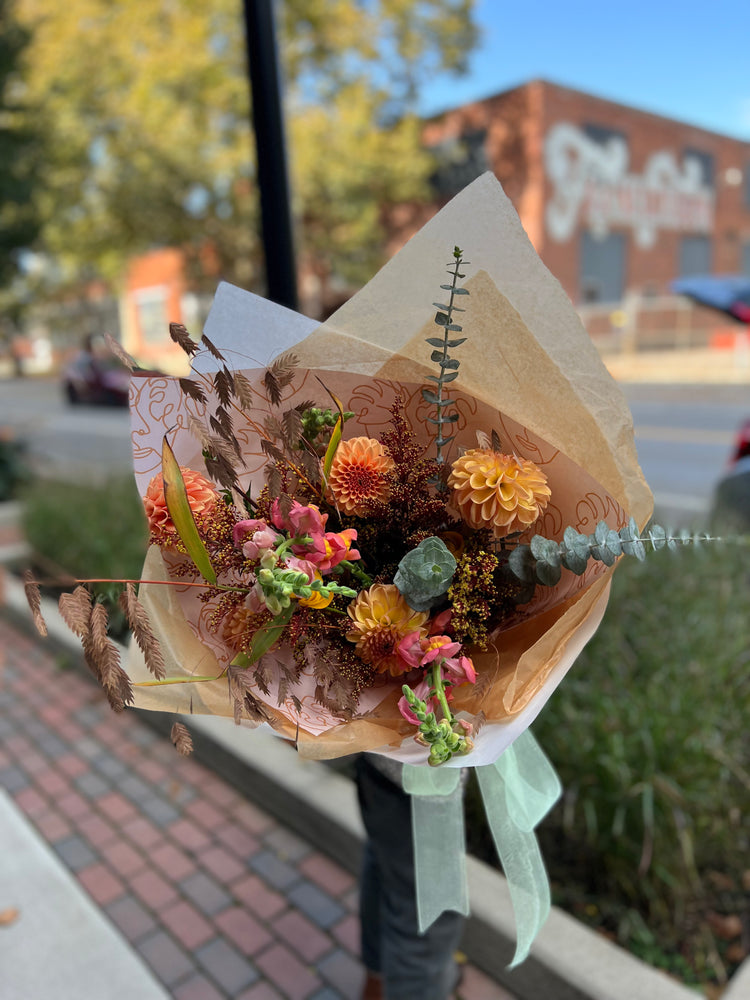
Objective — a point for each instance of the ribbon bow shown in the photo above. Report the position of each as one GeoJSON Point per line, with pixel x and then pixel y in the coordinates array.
{"type": "Point", "coordinates": [518, 791]}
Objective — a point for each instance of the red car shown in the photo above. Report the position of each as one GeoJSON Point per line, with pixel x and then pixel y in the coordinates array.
{"type": "Point", "coordinates": [731, 508]}
{"type": "Point", "coordinates": [102, 381]}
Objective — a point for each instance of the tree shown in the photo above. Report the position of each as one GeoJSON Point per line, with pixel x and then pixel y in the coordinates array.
{"type": "Point", "coordinates": [146, 112]}
{"type": "Point", "coordinates": [18, 148]}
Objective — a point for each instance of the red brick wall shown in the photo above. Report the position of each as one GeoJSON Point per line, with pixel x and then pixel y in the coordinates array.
{"type": "Point", "coordinates": [516, 123]}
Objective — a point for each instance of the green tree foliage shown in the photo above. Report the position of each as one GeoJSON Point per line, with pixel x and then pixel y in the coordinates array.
{"type": "Point", "coordinates": [18, 146]}
{"type": "Point", "coordinates": [146, 113]}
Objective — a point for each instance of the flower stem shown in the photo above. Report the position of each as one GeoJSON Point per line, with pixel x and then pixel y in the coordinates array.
{"type": "Point", "coordinates": [176, 680]}
{"type": "Point", "coordinates": [437, 685]}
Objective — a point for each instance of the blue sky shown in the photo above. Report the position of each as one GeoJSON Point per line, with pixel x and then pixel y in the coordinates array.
{"type": "Point", "coordinates": [684, 60]}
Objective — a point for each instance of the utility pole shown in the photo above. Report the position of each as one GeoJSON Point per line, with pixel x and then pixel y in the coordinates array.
{"type": "Point", "coordinates": [273, 179]}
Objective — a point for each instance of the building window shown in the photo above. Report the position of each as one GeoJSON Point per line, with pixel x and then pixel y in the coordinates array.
{"type": "Point", "coordinates": [695, 256]}
{"type": "Point", "coordinates": [151, 314]}
{"type": "Point", "coordinates": [706, 161]}
{"type": "Point", "coordinates": [459, 161]}
{"type": "Point", "coordinates": [745, 259]}
{"type": "Point", "coordinates": [602, 267]}
{"type": "Point", "coordinates": [601, 134]}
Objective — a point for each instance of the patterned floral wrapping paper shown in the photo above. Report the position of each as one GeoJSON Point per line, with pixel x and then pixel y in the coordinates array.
{"type": "Point", "coordinates": [545, 392]}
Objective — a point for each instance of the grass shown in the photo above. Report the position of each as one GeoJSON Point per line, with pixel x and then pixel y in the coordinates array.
{"type": "Point", "coordinates": [87, 532]}
{"type": "Point", "coordinates": [649, 734]}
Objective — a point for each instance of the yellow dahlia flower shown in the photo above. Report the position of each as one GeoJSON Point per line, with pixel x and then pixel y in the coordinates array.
{"type": "Point", "coordinates": [382, 618]}
{"type": "Point", "coordinates": [496, 491]}
{"type": "Point", "coordinates": [358, 474]}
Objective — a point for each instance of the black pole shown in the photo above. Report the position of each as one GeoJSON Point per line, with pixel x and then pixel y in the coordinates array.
{"type": "Point", "coordinates": [273, 181]}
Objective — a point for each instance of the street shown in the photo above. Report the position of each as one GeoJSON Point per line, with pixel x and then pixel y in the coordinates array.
{"type": "Point", "coordinates": [684, 435]}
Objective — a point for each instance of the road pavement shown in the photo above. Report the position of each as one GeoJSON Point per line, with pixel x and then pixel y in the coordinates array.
{"type": "Point", "coordinates": [684, 428]}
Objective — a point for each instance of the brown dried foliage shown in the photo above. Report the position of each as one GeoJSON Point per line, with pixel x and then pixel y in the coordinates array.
{"type": "Point", "coordinates": [244, 701]}
{"type": "Point", "coordinates": [243, 391]}
{"type": "Point", "coordinates": [75, 609]}
{"type": "Point", "coordinates": [31, 589]}
{"type": "Point", "coordinates": [193, 390]}
{"type": "Point", "coordinates": [211, 348]}
{"type": "Point", "coordinates": [278, 375]}
{"type": "Point", "coordinates": [119, 352]}
{"type": "Point", "coordinates": [142, 631]}
{"type": "Point", "coordinates": [104, 659]}
{"type": "Point", "coordinates": [182, 739]}
{"type": "Point", "coordinates": [178, 333]}
{"type": "Point", "coordinates": [224, 386]}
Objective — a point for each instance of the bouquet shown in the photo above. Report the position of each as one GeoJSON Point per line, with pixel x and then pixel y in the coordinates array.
{"type": "Point", "coordinates": [393, 532]}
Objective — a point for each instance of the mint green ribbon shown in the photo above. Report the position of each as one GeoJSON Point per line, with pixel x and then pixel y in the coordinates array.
{"type": "Point", "coordinates": [518, 790]}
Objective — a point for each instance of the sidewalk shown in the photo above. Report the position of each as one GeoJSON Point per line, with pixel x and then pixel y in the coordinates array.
{"type": "Point", "coordinates": [207, 892]}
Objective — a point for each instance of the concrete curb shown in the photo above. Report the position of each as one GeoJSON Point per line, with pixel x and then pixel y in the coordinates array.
{"type": "Point", "coordinates": [567, 961]}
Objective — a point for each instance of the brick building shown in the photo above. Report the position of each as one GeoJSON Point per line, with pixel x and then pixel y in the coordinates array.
{"type": "Point", "coordinates": [617, 202]}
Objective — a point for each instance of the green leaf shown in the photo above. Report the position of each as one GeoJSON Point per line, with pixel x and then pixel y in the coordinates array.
{"type": "Point", "coordinates": [460, 291]}
{"type": "Point", "coordinates": [447, 378]}
{"type": "Point", "coordinates": [450, 363]}
{"type": "Point", "coordinates": [436, 342]}
{"type": "Point", "coordinates": [335, 434]}
{"type": "Point", "coordinates": [442, 319]}
{"type": "Point", "coordinates": [429, 397]}
{"type": "Point", "coordinates": [631, 542]}
{"type": "Point", "coordinates": [437, 356]}
{"type": "Point", "coordinates": [265, 637]}
{"type": "Point", "coordinates": [657, 536]}
{"type": "Point", "coordinates": [454, 327]}
{"type": "Point", "coordinates": [521, 563]}
{"type": "Point", "coordinates": [575, 551]}
{"type": "Point", "coordinates": [456, 343]}
{"type": "Point", "coordinates": [548, 560]}
{"type": "Point", "coordinates": [441, 305]}
{"type": "Point", "coordinates": [178, 505]}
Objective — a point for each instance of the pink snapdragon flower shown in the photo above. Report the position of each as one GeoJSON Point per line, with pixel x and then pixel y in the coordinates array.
{"type": "Point", "coordinates": [421, 652]}
{"type": "Point", "coordinates": [326, 548]}
{"type": "Point", "coordinates": [300, 520]}
{"type": "Point", "coordinates": [254, 537]}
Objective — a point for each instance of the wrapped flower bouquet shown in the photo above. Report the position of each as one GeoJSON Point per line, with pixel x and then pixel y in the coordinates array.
{"type": "Point", "coordinates": [393, 532]}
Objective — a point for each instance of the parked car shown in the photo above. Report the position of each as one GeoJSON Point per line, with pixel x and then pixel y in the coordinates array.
{"type": "Point", "coordinates": [94, 378]}
{"type": "Point", "coordinates": [731, 506]}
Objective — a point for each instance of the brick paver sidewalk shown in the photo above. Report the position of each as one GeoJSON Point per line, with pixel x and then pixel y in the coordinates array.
{"type": "Point", "coordinates": [219, 899]}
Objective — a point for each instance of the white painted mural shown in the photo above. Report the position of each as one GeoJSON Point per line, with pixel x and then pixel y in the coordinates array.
{"type": "Point", "coordinates": [593, 186]}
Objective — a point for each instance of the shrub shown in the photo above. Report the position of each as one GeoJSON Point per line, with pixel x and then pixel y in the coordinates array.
{"type": "Point", "coordinates": [649, 734]}
{"type": "Point", "coordinates": [13, 470]}
{"type": "Point", "coordinates": [88, 531]}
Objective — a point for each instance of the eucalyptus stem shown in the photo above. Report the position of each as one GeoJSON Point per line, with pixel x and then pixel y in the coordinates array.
{"type": "Point", "coordinates": [441, 401]}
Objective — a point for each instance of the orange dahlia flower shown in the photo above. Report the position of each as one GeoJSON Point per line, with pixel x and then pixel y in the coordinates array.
{"type": "Point", "coordinates": [201, 494]}
{"type": "Point", "coordinates": [496, 491]}
{"type": "Point", "coordinates": [358, 474]}
{"type": "Point", "coordinates": [382, 618]}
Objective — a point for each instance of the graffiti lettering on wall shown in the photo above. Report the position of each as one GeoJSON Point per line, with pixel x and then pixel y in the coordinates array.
{"type": "Point", "coordinates": [592, 186]}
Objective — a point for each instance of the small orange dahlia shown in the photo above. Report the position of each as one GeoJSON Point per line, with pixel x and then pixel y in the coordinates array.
{"type": "Point", "coordinates": [496, 491]}
{"type": "Point", "coordinates": [382, 618]}
{"type": "Point", "coordinates": [358, 474]}
{"type": "Point", "coordinates": [201, 494]}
